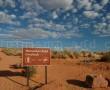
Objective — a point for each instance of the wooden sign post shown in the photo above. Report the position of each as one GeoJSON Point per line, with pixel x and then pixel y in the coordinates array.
{"type": "Point", "coordinates": [28, 76]}
{"type": "Point", "coordinates": [34, 57]}
{"type": "Point", "coordinates": [45, 74]}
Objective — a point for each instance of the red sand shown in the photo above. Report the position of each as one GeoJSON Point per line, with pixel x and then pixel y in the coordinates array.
{"type": "Point", "coordinates": [62, 75]}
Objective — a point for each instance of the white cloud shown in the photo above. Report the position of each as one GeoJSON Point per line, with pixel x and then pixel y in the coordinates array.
{"type": "Point", "coordinates": [31, 6]}
{"type": "Point", "coordinates": [97, 7]}
{"type": "Point", "coordinates": [74, 10]}
{"type": "Point", "coordinates": [56, 29]}
{"type": "Point", "coordinates": [104, 2]}
{"type": "Point", "coordinates": [5, 3]}
{"type": "Point", "coordinates": [92, 4]}
{"type": "Point", "coordinates": [1, 2]}
{"type": "Point", "coordinates": [102, 29]}
{"type": "Point", "coordinates": [40, 23]}
{"type": "Point", "coordinates": [28, 15]}
{"type": "Point", "coordinates": [55, 4]}
{"type": "Point", "coordinates": [5, 18]}
{"type": "Point", "coordinates": [31, 33]}
{"type": "Point", "coordinates": [103, 19]}
{"type": "Point", "coordinates": [108, 16]}
{"type": "Point", "coordinates": [13, 16]}
{"type": "Point", "coordinates": [8, 19]}
{"type": "Point", "coordinates": [84, 25]}
{"type": "Point", "coordinates": [37, 7]}
{"type": "Point", "coordinates": [38, 33]}
{"type": "Point", "coordinates": [85, 4]}
{"type": "Point", "coordinates": [7, 36]}
{"type": "Point", "coordinates": [43, 29]}
{"type": "Point", "coordinates": [70, 34]}
{"type": "Point", "coordinates": [90, 14]}
{"type": "Point", "coordinates": [54, 15]}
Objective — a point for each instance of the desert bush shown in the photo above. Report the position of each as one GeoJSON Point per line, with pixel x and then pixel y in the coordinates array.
{"type": "Point", "coordinates": [106, 57]}
{"type": "Point", "coordinates": [64, 54]}
{"type": "Point", "coordinates": [54, 54]}
{"type": "Point", "coordinates": [12, 51]}
{"type": "Point", "coordinates": [76, 54]}
{"type": "Point", "coordinates": [83, 53]}
{"type": "Point", "coordinates": [60, 54]}
{"type": "Point", "coordinates": [69, 54]}
{"type": "Point", "coordinates": [25, 69]}
{"type": "Point", "coordinates": [31, 73]}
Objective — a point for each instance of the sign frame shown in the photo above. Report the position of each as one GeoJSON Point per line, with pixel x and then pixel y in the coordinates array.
{"type": "Point", "coordinates": [35, 64]}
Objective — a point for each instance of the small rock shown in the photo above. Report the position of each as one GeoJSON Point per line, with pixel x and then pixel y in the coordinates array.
{"type": "Point", "coordinates": [99, 82]}
{"type": "Point", "coordinates": [108, 79]}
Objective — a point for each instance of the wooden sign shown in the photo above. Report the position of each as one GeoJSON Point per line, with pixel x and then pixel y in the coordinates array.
{"type": "Point", "coordinates": [36, 56]}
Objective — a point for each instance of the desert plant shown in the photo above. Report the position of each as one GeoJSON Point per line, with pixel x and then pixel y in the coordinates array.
{"type": "Point", "coordinates": [31, 71]}
{"type": "Point", "coordinates": [68, 53]}
{"type": "Point", "coordinates": [106, 57]}
{"type": "Point", "coordinates": [12, 51]}
{"type": "Point", "coordinates": [63, 55]}
{"type": "Point", "coordinates": [54, 54]}
{"type": "Point", "coordinates": [59, 54]}
{"type": "Point", "coordinates": [76, 54]}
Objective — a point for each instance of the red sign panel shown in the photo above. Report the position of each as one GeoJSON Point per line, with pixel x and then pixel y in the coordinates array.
{"type": "Point", "coordinates": [36, 56]}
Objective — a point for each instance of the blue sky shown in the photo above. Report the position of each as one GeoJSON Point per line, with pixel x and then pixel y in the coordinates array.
{"type": "Point", "coordinates": [78, 24]}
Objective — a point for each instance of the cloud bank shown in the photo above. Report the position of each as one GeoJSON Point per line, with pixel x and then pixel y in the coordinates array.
{"type": "Point", "coordinates": [54, 18]}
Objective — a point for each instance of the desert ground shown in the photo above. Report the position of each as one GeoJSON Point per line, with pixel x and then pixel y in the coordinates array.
{"type": "Point", "coordinates": [63, 74]}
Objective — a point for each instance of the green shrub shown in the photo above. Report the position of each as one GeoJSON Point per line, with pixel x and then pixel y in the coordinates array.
{"type": "Point", "coordinates": [31, 73]}
{"type": "Point", "coordinates": [76, 54]}
{"type": "Point", "coordinates": [12, 51]}
{"type": "Point", "coordinates": [59, 54]}
{"type": "Point", "coordinates": [25, 70]}
{"type": "Point", "coordinates": [68, 54]}
{"type": "Point", "coordinates": [106, 57]}
{"type": "Point", "coordinates": [64, 54]}
{"type": "Point", "coordinates": [54, 54]}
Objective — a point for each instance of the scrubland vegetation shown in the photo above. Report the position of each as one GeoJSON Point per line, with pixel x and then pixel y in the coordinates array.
{"type": "Point", "coordinates": [106, 57]}
{"type": "Point", "coordinates": [65, 54]}
{"type": "Point", "coordinates": [12, 51]}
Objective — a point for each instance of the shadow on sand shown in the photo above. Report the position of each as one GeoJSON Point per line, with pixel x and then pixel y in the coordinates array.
{"type": "Point", "coordinates": [6, 73]}
{"type": "Point", "coordinates": [78, 83]}
{"type": "Point", "coordinates": [14, 81]}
